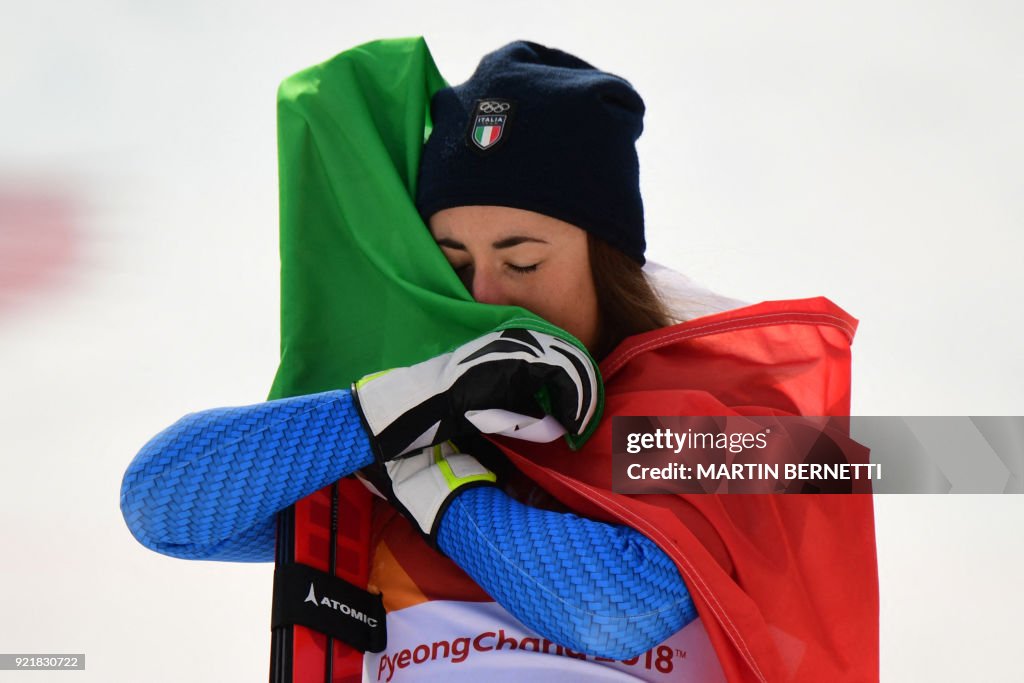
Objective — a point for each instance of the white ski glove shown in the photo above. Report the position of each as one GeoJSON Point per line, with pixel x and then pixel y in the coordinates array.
{"type": "Point", "coordinates": [495, 384]}
{"type": "Point", "coordinates": [421, 485]}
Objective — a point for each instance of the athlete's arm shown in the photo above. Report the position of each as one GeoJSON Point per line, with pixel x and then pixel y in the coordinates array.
{"type": "Point", "coordinates": [208, 486]}
{"type": "Point", "coordinates": [597, 588]}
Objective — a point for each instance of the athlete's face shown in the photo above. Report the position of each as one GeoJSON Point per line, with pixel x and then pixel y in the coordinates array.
{"type": "Point", "coordinates": [522, 258]}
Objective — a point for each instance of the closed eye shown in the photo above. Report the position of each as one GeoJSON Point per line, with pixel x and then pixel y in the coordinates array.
{"type": "Point", "coordinates": [522, 269]}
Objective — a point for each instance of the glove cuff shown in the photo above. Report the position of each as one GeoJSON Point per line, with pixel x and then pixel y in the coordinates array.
{"type": "Point", "coordinates": [423, 485]}
{"type": "Point", "coordinates": [429, 491]}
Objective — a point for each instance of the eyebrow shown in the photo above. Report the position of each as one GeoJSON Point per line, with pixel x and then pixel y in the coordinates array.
{"type": "Point", "coordinates": [505, 243]}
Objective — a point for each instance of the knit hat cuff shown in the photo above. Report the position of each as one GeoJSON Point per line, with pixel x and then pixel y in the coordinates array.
{"type": "Point", "coordinates": [581, 217]}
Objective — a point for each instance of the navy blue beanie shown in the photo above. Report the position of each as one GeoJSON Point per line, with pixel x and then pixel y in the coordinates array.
{"type": "Point", "coordinates": [536, 128]}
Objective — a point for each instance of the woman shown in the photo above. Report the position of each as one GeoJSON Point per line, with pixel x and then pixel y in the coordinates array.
{"type": "Point", "coordinates": [529, 186]}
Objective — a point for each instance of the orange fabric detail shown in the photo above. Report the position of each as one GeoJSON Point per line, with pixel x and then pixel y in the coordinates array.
{"type": "Point", "coordinates": [406, 571]}
{"type": "Point", "coordinates": [391, 581]}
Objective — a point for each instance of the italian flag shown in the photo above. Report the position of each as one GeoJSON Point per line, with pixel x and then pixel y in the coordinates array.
{"type": "Point", "coordinates": [486, 135]}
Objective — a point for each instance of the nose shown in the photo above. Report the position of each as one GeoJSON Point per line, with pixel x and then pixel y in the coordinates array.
{"type": "Point", "coordinates": [488, 289]}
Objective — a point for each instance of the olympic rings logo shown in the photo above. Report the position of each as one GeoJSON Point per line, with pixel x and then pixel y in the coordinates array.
{"type": "Point", "coordinates": [494, 107]}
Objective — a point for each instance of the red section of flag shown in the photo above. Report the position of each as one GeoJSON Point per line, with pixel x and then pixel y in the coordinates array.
{"type": "Point", "coordinates": [787, 585]}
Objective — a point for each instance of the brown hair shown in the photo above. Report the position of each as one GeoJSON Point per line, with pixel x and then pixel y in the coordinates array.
{"type": "Point", "coordinates": [626, 302]}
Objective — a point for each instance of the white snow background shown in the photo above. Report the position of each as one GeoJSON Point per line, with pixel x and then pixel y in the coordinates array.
{"type": "Point", "coordinates": [871, 152]}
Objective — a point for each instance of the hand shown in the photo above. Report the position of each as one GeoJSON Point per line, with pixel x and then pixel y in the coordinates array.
{"type": "Point", "coordinates": [421, 485]}
{"type": "Point", "coordinates": [502, 373]}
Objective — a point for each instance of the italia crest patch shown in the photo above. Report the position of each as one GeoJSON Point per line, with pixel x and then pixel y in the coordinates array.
{"type": "Point", "coordinates": [489, 122]}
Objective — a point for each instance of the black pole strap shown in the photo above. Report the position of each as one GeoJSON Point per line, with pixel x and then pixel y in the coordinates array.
{"type": "Point", "coordinates": [330, 605]}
